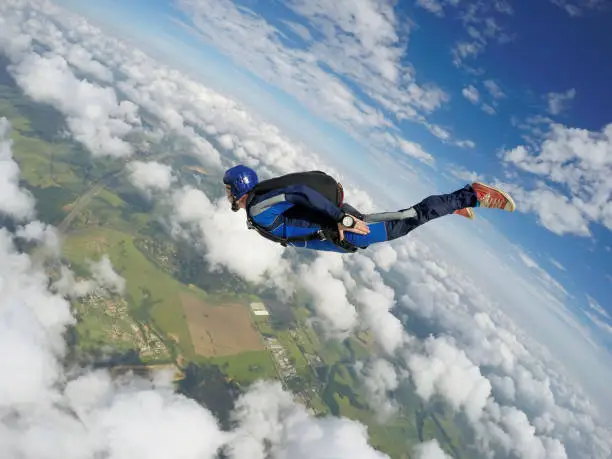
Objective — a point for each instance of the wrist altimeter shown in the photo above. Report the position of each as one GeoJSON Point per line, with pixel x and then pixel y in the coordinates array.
{"type": "Point", "coordinates": [348, 221]}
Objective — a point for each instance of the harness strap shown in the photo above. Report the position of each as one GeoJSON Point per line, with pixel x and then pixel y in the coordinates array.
{"type": "Point", "coordinates": [321, 235]}
{"type": "Point", "coordinates": [317, 235]}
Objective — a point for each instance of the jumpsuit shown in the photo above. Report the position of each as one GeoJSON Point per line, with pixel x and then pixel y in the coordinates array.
{"type": "Point", "coordinates": [299, 210]}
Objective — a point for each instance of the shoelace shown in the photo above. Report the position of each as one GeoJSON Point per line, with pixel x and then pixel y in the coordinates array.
{"type": "Point", "coordinates": [489, 201]}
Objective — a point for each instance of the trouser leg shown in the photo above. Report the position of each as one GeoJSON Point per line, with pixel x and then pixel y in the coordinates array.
{"type": "Point", "coordinates": [386, 226]}
{"type": "Point", "coordinates": [400, 223]}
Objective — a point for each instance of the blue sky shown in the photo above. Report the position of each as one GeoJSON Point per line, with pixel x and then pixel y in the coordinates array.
{"type": "Point", "coordinates": [536, 50]}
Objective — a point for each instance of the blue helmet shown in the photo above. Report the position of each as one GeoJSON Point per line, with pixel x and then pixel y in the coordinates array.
{"type": "Point", "coordinates": [241, 180]}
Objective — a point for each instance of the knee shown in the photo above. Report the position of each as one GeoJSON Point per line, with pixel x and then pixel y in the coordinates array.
{"type": "Point", "coordinates": [399, 228]}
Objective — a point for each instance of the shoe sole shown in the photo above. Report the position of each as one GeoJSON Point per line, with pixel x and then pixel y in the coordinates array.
{"type": "Point", "coordinates": [503, 193]}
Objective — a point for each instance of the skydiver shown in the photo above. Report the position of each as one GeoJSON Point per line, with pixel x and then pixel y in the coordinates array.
{"type": "Point", "coordinates": [307, 210]}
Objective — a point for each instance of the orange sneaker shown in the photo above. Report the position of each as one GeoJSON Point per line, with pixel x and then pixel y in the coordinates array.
{"type": "Point", "coordinates": [466, 212]}
{"type": "Point", "coordinates": [493, 198]}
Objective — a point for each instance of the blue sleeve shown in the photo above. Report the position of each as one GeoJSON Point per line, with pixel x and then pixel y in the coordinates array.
{"type": "Point", "coordinates": [306, 196]}
{"type": "Point", "coordinates": [270, 214]}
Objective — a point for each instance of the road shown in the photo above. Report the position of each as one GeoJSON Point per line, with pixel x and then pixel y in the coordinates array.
{"type": "Point", "coordinates": [96, 187]}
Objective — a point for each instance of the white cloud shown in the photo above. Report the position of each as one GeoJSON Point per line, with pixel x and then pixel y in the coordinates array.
{"type": "Point", "coordinates": [463, 174]}
{"type": "Point", "coordinates": [503, 7]}
{"type": "Point", "coordinates": [369, 32]}
{"type": "Point", "coordinates": [83, 60]}
{"type": "Point", "coordinates": [415, 150]}
{"type": "Point", "coordinates": [519, 370]}
{"type": "Point", "coordinates": [184, 107]}
{"type": "Point", "coordinates": [466, 49]}
{"type": "Point", "coordinates": [254, 42]}
{"type": "Point", "coordinates": [430, 450]}
{"type": "Point", "coordinates": [555, 212]}
{"type": "Point", "coordinates": [446, 137]}
{"type": "Point", "coordinates": [378, 377]}
{"type": "Point", "coordinates": [569, 8]}
{"type": "Point", "coordinates": [557, 102]}
{"type": "Point", "coordinates": [503, 388]}
{"type": "Point", "coordinates": [299, 29]}
{"type": "Point", "coordinates": [433, 6]}
{"type": "Point", "coordinates": [437, 6]}
{"type": "Point", "coordinates": [360, 41]}
{"type": "Point", "coordinates": [439, 132]}
{"type": "Point", "coordinates": [447, 371]}
{"type": "Point", "coordinates": [68, 285]}
{"type": "Point", "coordinates": [384, 256]}
{"type": "Point", "coordinates": [595, 306]}
{"type": "Point", "coordinates": [16, 201]}
{"type": "Point", "coordinates": [548, 281]}
{"type": "Point", "coordinates": [369, 47]}
{"type": "Point", "coordinates": [580, 163]}
{"type": "Point", "coordinates": [577, 8]}
{"type": "Point", "coordinates": [488, 109]}
{"type": "Point", "coordinates": [268, 414]}
{"type": "Point", "coordinates": [104, 274]}
{"type": "Point", "coordinates": [322, 279]}
{"type": "Point", "coordinates": [104, 277]}
{"type": "Point", "coordinates": [376, 300]}
{"type": "Point", "coordinates": [387, 329]}
{"type": "Point", "coordinates": [149, 176]}
{"type": "Point", "coordinates": [494, 89]}
{"type": "Point", "coordinates": [517, 436]}
{"type": "Point", "coordinates": [481, 27]}
{"type": "Point", "coordinates": [471, 94]}
{"type": "Point", "coordinates": [598, 315]}
{"type": "Point", "coordinates": [535, 127]}
{"type": "Point", "coordinates": [95, 116]}
{"type": "Point", "coordinates": [224, 234]}
{"type": "Point", "coordinates": [604, 326]}
{"type": "Point", "coordinates": [529, 262]}
{"type": "Point", "coordinates": [557, 265]}
{"type": "Point", "coordinates": [31, 323]}
{"type": "Point", "coordinates": [46, 235]}
{"type": "Point", "coordinates": [466, 144]}
{"type": "Point", "coordinates": [141, 420]}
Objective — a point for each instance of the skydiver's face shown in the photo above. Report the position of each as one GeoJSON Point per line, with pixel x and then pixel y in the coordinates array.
{"type": "Point", "coordinates": [237, 204]}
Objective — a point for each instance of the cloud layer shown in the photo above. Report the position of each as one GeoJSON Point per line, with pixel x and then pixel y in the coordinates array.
{"type": "Point", "coordinates": [358, 44]}
{"type": "Point", "coordinates": [52, 414]}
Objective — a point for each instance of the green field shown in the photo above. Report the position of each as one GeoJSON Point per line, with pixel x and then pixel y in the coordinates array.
{"type": "Point", "coordinates": [246, 367]}
{"type": "Point", "coordinates": [151, 293]}
{"type": "Point", "coordinates": [93, 330]}
{"type": "Point", "coordinates": [286, 340]}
